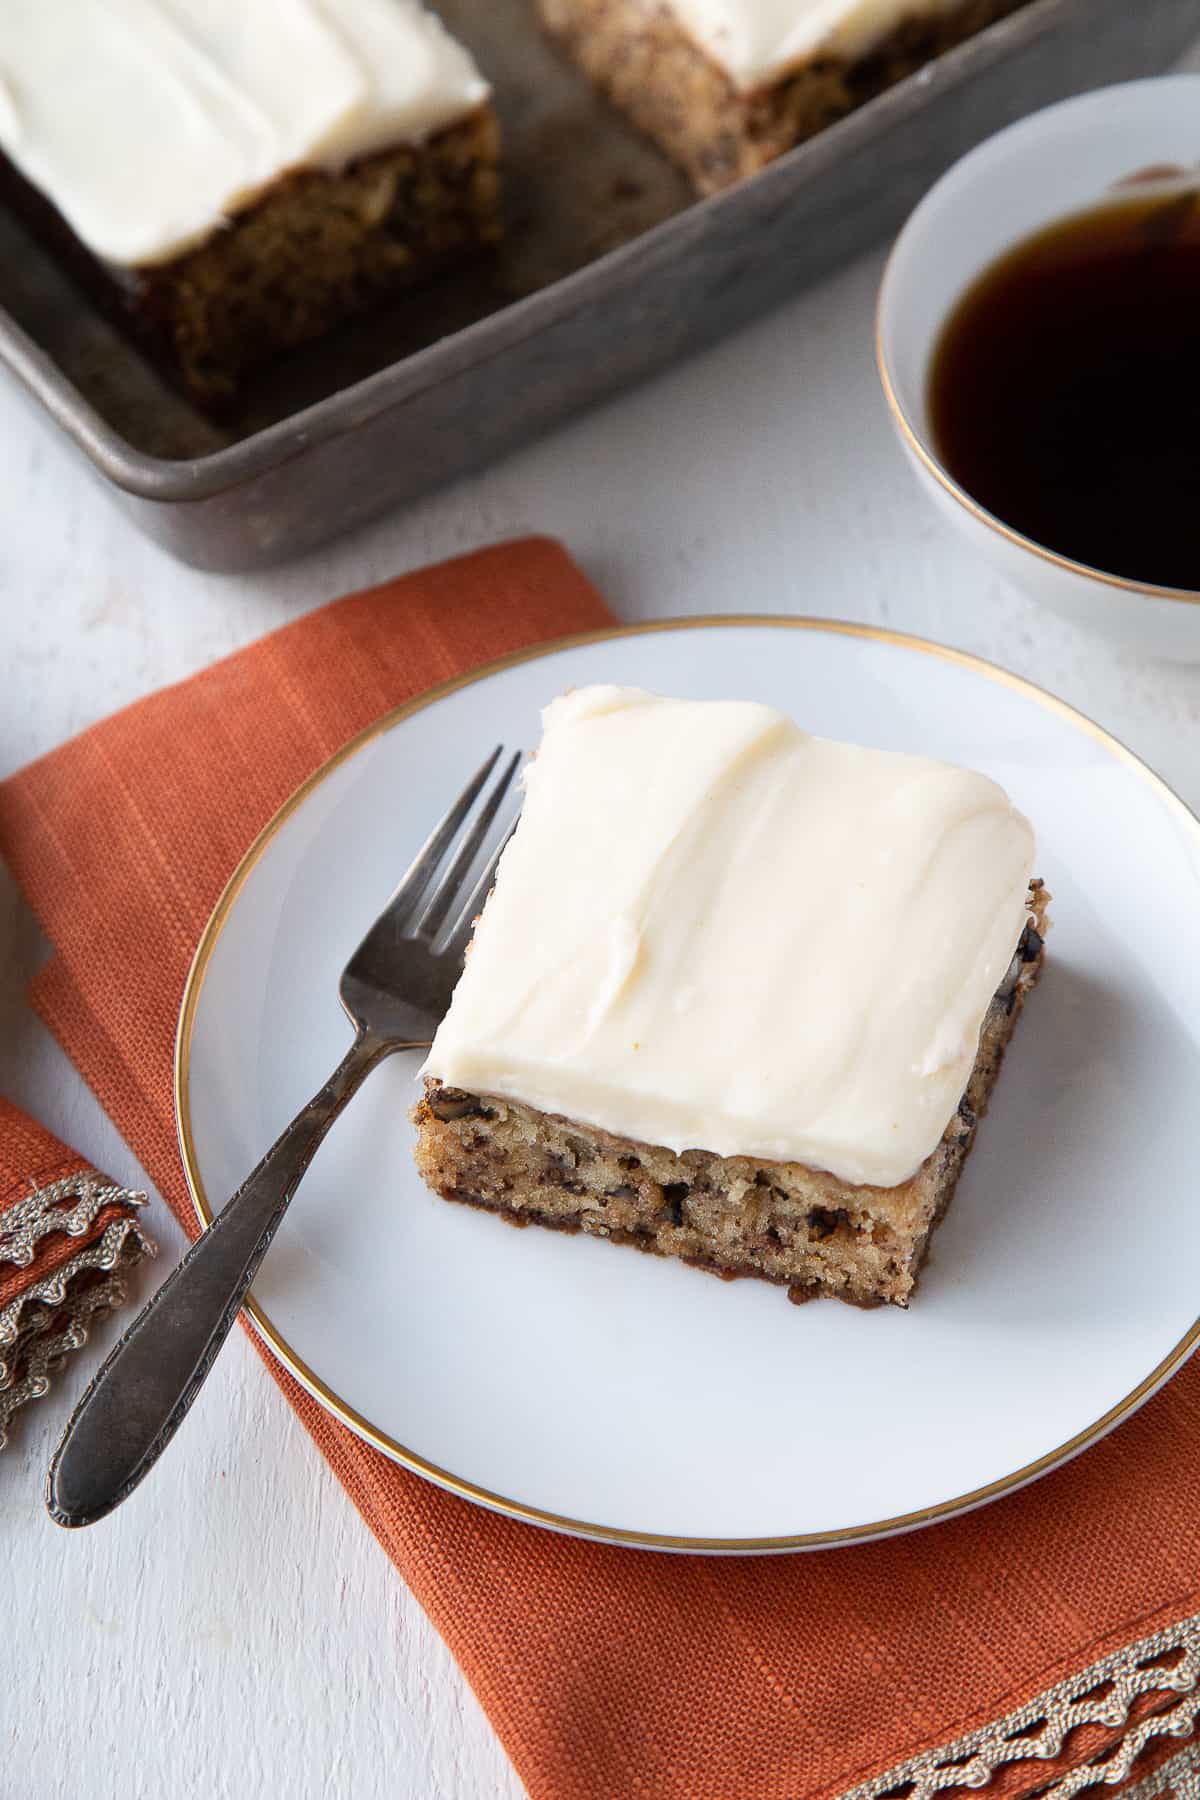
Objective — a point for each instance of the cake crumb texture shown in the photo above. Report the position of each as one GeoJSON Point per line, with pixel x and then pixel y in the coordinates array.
{"type": "Point", "coordinates": [320, 248]}
{"type": "Point", "coordinates": [783, 1222]}
{"type": "Point", "coordinates": [639, 55]}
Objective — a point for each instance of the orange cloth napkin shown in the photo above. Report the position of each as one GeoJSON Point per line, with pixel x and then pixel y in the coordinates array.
{"type": "Point", "coordinates": [67, 1239]}
{"type": "Point", "coordinates": [1057, 1626]}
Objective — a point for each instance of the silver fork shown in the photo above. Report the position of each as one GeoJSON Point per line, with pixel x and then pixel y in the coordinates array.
{"type": "Point", "coordinates": [395, 989]}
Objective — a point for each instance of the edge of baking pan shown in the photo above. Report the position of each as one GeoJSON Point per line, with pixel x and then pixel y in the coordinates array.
{"type": "Point", "coordinates": [199, 478]}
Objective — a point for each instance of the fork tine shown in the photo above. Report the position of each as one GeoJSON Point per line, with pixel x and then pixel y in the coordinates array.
{"type": "Point", "coordinates": [447, 889]}
{"type": "Point", "coordinates": [461, 936]}
{"type": "Point", "coordinates": [424, 865]}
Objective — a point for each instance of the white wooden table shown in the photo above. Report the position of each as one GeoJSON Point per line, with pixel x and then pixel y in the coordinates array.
{"type": "Point", "coordinates": [234, 1630]}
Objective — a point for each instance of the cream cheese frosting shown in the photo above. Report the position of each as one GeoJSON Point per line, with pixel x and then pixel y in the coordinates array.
{"type": "Point", "coordinates": [147, 122]}
{"type": "Point", "coordinates": [714, 931]}
{"type": "Point", "coordinates": [755, 41]}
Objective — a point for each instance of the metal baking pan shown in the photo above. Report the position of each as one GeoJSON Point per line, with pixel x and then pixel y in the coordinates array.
{"type": "Point", "coordinates": [611, 270]}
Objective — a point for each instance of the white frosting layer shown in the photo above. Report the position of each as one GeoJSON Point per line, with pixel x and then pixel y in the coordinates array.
{"type": "Point", "coordinates": [754, 41]}
{"type": "Point", "coordinates": [147, 122]}
{"type": "Point", "coordinates": [713, 931]}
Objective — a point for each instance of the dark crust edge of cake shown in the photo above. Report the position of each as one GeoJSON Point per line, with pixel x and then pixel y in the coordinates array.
{"type": "Point", "coordinates": [637, 1240]}
{"type": "Point", "coordinates": [136, 299]}
{"type": "Point", "coordinates": [1031, 950]}
{"type": "Point", "coordinates": [747, 128]}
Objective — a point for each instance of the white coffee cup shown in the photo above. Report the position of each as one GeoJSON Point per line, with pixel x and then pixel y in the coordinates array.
{"type": "Point", "coordinates": [1055, 163]}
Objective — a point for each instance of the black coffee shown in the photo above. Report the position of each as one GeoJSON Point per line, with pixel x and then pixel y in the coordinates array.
{"type": "Point", "coordinates": [1065, 389]}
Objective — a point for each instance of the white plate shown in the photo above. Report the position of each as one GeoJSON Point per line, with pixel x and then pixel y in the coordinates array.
{"type": "Point", "coordinates": [621, 1396]}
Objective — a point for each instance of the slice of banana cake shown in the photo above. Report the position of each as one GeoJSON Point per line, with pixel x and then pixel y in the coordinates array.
{"type": "Point", "coordinates": [739, 995]}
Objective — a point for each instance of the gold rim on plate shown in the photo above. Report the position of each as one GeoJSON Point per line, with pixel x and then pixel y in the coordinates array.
{"type": "Point", "coordinates": [517, 1509]}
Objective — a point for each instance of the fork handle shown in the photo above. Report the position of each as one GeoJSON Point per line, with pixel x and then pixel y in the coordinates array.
{"type": "Point", "coordinates": [138, 1399]}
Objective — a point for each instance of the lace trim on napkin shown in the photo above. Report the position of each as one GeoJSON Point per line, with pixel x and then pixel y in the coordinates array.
{"type": "Point", "coordinates": [1178, 1778]}
{"type": "Point", "coordinates": [42, 1324]}
{"type": "Point", "coordinates": [1158, 1676]}
{"type": "Point", "coordinates": [68, 1205]}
